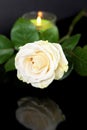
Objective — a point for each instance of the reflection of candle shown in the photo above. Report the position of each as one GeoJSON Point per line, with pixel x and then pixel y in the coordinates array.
{"type": "Point", "coordinates": [41, 23]}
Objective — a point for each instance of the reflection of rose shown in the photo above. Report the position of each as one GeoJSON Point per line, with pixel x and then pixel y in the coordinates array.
{"type": "Point", "coordinates": [39, 114]}
{"type": "Point", "coordinates": [41, 62]}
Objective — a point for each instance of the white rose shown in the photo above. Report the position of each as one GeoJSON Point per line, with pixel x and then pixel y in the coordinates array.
{"type": "Point", "coordinates": [41, 62]}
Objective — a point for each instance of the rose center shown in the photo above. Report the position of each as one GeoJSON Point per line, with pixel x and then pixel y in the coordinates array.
{"type": "Point", "coordinates": [39, 61]}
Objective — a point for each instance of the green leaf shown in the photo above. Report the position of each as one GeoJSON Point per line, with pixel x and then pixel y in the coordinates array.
{"type": "Point", "coordinates": [71, 42]}
{"type": "Point", "coordinates": [51, 34]}
{"type": "Point", "coordinates": [6, 49]}
{"type": "Point", "coordinates": [10, 64]}
{"type": "Point", "coordinates": [23, 32]}
{"type": "Point", "coordinates": [80, 60]}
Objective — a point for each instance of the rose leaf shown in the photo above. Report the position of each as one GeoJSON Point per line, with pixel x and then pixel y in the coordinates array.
{"type": "Point", "coordinates": [9, 65]}
{"type": "Point", "coordinates": [51, 34]}
{"type": "Point", "coordinates": [70, 43]}
{"type": "Point", "coordinates": [23, 32]}
{"type": "Point", "coordinates": [6, 49]}
{"type": "Point", "coordinates": [80, 60]}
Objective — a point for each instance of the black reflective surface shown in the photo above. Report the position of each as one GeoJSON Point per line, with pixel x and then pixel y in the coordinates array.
{"type": "Point", "coordinates": [69, 94]}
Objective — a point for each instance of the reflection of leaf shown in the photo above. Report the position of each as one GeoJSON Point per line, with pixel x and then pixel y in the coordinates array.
{"type": "Point", "coordinates": [71, 42]}
{"type": "Point", "coordinates": [80, 60]}
{"type": "Point", "coordinates": [23, 32]}
{"type": "Point", "coordinates": [39, 114]}
{"type": "Point", "coordinates": [6, 49]}
{"type": "Point", "coordinates": [51, 34]}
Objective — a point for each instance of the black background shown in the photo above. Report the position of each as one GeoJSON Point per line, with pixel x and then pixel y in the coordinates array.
{"type": "Point", "coordinates": [69, 94]}
{"type": "Point", "coordinates": [10, 10]}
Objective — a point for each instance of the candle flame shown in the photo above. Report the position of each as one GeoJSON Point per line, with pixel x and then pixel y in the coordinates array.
{"type": "Point", "coordinates": [39, 16]}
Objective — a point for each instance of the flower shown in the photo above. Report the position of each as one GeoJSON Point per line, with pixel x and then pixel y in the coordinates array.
{"type": "Point", "coordinates": [41, 62]}
{"type": "Point", "coordinates": [39, 57]}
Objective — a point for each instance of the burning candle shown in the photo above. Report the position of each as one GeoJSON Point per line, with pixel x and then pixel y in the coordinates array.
{"type": "Point", "coordinates": [45, 25]}
{"type": "Point", "coordinates": [42, 20]}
